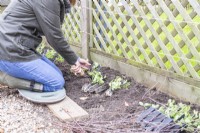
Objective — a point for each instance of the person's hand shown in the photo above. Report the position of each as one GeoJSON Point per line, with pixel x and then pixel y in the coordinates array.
{"type": "Point", "coordinates": [80, 66]}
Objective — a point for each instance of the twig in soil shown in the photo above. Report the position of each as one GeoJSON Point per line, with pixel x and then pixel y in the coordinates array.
{"type": "Point", "coordinates": [72, 118]}
{"type": "Point", "coordinates": [149, 89]}
{"type": "Point", "coordinates": [154, 87]}
{"type": "Point", "coordinates": [156, 101]}
{"type": "Point", "coordinates": [124, 124]}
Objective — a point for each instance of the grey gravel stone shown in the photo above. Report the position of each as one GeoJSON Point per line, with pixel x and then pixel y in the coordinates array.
{"type": "Point", "coordinates": [18, 115]}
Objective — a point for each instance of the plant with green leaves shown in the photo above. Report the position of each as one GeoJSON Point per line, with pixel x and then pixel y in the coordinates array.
{"type": "Point", "coordinates": [96, 76]}
{"type": "Point", "coordinates": [177, 110]}
{"type": "Point", "coordinates": [49, 52]}
{"type": "Point", "coordinates": [116, 84]}
{"type": "Point", "coordinates": [119, 83]}
{"type": "Point", "coordinates": [95, 66]}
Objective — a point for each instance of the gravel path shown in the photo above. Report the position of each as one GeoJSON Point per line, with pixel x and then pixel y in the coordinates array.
{"type": "Point", "coordinates": [18, 115]}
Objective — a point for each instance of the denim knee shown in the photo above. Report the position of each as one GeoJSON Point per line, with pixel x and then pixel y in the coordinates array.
{"type": "Point", "coordinates": [55, 84]}
{"type": "Point", "coordinates": [60, 83]}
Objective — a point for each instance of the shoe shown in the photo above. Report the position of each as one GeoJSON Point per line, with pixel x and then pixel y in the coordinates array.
{"type": "Point", "coordinates": [13, 82]}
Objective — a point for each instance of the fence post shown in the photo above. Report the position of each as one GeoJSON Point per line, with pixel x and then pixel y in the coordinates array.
{"type": "Point", "coordinates": [85, 28]}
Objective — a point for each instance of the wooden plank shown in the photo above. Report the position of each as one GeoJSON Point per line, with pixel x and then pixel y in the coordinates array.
{"type": "Point", "coordinates": [85, 28]}
{"type": "Point", "coordinates": [167, 82]}
{"type": "Point", "coordinates": [67, 110]}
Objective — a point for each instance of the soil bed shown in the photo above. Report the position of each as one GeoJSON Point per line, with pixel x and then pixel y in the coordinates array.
{"type": "Point", "coordinates": [110, 114]}
{"type": "Point", "coordinates": [115, 114]}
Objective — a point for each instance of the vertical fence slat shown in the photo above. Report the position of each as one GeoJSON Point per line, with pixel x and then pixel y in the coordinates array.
{"type": "Point", "coordinates": [90, 10]}
{"type": "Point", "coordinates": [85, 28]}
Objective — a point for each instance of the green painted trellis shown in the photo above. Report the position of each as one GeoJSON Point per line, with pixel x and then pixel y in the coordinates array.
{"type": "Point", "coordinates": [155, 41]}
{"type": "Point", "coordinates": [157, 33]}
{"type": "Point", "coordinates": [143, 36]}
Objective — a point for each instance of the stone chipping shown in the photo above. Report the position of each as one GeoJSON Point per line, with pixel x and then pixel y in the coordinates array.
{"type": "Point", "coordinates": [17, 115]}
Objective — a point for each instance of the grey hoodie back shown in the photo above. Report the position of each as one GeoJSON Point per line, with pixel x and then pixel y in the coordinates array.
{"type": "Point", "coordinates": [23, 23]}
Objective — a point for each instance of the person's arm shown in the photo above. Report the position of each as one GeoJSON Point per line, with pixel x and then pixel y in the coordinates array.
{"type": "Point", "coordinates": [47, 13]}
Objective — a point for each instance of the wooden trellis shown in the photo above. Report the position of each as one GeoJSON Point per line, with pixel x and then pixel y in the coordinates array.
{"type": "Point", "coordinates": [72, 26]}
{"type": "Point", "coordinates": [161, 36]}
{"type": "Point", "coordinates": [147, 32]}
{"type": "Point", "coordinates": [158, 33]}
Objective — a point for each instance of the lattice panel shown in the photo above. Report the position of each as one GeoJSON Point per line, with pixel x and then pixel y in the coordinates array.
{"type": "Point", "coordinates": [159, 33]}
{"type": "Point", "coordinates": [72, 26]}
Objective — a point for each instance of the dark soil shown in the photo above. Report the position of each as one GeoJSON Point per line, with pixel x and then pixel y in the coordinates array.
{"type": "Point", "coordinates": [117, 113]}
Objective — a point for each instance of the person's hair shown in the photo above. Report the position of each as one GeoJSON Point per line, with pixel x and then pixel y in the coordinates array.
{"type": "Point", "coordinates": [73, 2]}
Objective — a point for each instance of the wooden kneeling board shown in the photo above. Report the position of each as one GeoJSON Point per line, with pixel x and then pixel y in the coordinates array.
{"type": "Point", "coordinates": [68, 110]}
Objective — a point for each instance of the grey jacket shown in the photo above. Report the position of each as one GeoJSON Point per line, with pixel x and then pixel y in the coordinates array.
{"type": "Point", "coordinates": [23, 23]}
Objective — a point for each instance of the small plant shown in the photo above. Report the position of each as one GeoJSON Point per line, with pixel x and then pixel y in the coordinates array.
{"type": "Point", "coordinates": [119, 83]}
{"type": "Point", "coordinates": [97, 77]}
{"type": "Point", "coordinates": [116, 84]}
{"type": "Point", "coordinates": [95, 66]}
{"type": "Point", "coordinates": [180, 113]}
{"type": "Point", "coordinates": [49, 52]}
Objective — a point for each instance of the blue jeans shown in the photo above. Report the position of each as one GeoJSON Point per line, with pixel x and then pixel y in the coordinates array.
{"type": "Point", "coordinates": [41, 71]}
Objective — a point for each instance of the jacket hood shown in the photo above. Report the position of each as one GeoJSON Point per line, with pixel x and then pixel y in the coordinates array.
{"type": "Point", "coordinates": [65, 7]}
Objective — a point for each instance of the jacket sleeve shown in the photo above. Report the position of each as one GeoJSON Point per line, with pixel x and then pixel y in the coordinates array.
{"type": "Point", "coordinates": [47, 13]}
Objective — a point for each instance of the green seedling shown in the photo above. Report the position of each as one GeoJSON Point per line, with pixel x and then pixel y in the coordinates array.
{"type": "Point", "coordinates": [119, 83]}
{"type": "Point", "coordinates": [97, 77]}
{"type": "Point", "coordinates": [175, 111]}
{"type": "Point", "coordinates": [116, 84]}
{"type": "Point", "coordinates": [95, 66]}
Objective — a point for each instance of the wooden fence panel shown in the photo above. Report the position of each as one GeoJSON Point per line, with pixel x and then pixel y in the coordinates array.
{"type": "Point", "coordinates": [158, 33]}
{"type": "Point", "coordinates": [72, 26]}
